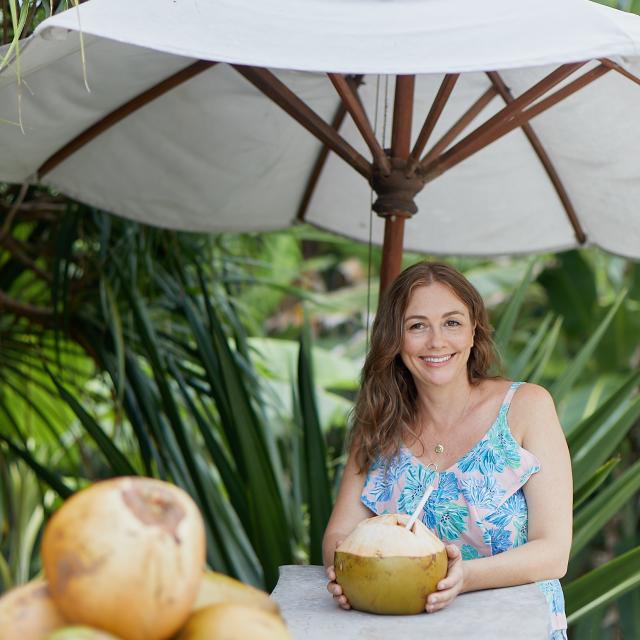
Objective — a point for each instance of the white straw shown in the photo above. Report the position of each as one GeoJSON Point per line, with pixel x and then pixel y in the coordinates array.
{"type": "Point", "coordinates": [420, 507]}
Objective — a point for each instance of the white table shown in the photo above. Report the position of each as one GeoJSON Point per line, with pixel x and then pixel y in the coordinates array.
{"type": "Point", "coordinates": [514, 613]}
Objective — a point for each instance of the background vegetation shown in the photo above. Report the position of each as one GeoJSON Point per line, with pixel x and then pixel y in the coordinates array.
{"type": "Point", "coordinates": [228, 365]}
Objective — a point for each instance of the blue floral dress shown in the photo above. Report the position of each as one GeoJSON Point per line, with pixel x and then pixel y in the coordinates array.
{"type": "Point", "coordinates": [478, 503]}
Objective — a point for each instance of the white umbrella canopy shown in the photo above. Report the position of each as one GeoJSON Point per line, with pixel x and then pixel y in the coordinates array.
{"type": "Point", "coordinates": [512, 128]}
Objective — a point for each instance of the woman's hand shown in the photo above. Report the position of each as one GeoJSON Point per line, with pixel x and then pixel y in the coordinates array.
{"type": "Point", "coordinates": [334, 588]}
{"type": "Point", "coordinates": [450, 586]}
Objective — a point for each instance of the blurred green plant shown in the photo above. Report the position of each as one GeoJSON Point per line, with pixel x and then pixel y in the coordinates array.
{"type": "Point", "coordinates": [599, 405]}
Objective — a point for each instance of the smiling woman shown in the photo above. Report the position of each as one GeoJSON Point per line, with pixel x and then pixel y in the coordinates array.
{"type": "Point", "coordinates": [430, 415]}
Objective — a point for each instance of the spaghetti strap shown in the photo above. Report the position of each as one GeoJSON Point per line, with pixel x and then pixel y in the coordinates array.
{"type": "Point", "coordinates": [504, 407]}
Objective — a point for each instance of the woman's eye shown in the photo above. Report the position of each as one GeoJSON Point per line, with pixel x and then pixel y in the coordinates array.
{"type": "Point", "coordinates": [453, 323]}
{"type": "Point", "coordinates": [416, 326]}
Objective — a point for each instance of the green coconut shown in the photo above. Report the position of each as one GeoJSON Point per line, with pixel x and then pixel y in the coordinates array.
{"type": "Point", "coordinates": [384, 567]}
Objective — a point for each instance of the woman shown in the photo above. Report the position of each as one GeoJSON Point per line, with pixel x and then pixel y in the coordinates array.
{"type": "Point", "coordinates": [502, 490]}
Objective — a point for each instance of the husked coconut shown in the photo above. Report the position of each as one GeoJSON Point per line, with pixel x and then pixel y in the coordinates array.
{"type": "Point", "coordinates": [384, 567]}
{"type": "Point", "coordinates": [81, 633]}
{"type": "Point", "coordinates": [29, 613]}
{"type": "Point", "coordinates": [126, 556]}
{"type": "Point", "coordinates": [234, 622]}
{"type": "Point", "coordinates": [216, 588]}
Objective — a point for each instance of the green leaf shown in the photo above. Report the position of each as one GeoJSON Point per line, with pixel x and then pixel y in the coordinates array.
{"type": "Point", "coordinates": [585, 429]}
{"type": "Point", "coordinates": [591, 518]}
{"type": "Point", "coordinates": [570, 287]}
{"type": "Point", "coordinates": [299, 487]}
{"type": "Point", "coordinates": [510, 314]}
{"type": "Point", "coordinates": [6, 581]}
{"type": "Point", "coordinates": [319, 494]}
{"type": "Point", "coordinates": [594, 483]}
{"type": "Point", "coordinates": [18, 25]}
{"type": "Point", "coordinates": [579, 362]}
{"type": "Point", "coordinates": [589, 626]}
{"type": "Point", "coordinates": [602, 585]}
{"type": "Point", "coordinates": [114, 322]}
{"type": "Point", "coordinates": [143, 411]}
{"type": "Point", "coordinates": [64, 241]}
{"type": "Point", "coordinates": [540, 360]}
{"type": "Point", "coordinates": [270, 531]}
{"type": "Point", "coordinates": [515, 370]}
{"type": "Point", "coordinates": [117, 460]}
{"type": "Point", "coordinates": [228, 473]}
{"type": "Point", "coordinates": [629, 608]}
{"type": "Point", "coordinates": [49, 477]}
{"type": "Point", "coordinates": [603, 442]}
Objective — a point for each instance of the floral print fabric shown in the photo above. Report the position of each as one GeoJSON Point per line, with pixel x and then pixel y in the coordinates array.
{"type": "Point", "coordinates": [477, 504]}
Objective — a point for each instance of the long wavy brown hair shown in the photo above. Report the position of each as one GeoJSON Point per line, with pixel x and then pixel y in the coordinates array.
{"type": "Point", "coordinates": [387, 404]}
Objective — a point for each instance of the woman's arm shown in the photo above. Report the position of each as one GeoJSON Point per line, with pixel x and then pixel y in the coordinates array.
{"type": "Point", "coordinates": [549, 493]}
{"type": "Point", "coordinates": [347, 512]}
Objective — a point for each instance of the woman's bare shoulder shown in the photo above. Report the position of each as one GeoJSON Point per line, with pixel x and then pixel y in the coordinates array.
{"type": "Point", "coordinates": [532, 396]}
{"type": "Point", "coordinates": [493, 390]}
{"type": "Point", "coordinates": [532, 407]}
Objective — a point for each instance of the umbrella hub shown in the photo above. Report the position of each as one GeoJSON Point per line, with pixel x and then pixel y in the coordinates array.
{"type": "Point", "coordinates": [396, 190]}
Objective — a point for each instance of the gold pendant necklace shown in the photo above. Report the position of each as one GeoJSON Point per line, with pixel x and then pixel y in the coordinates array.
{"type": "Point", "coordinates": [439, 448]}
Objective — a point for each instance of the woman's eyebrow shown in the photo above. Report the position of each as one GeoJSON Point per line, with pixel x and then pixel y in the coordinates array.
{"type": "Point", "coordinates": [444, 315]}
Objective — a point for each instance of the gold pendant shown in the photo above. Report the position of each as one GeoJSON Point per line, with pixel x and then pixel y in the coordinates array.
{"type": "Point", "coordinates": [439, 448]}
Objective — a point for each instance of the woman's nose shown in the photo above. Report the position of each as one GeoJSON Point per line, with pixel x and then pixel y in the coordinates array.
{"type": "Point", "coordinates": [435, 338]}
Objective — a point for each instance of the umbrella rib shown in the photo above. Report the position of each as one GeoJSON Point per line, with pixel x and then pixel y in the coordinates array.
{"type": "Point", "coordinates": [439, 103]}
{"type": "Point", "coordinates": [540, 151]}
{"type": "Point", "coordinates": [510, 117]}
{"type": "Point", "coordinates": [122, 112]}
{"type": "Point", "coordinates": [621, 70]}
{"type": "Point", "coordinates": [336, 123]}
{"type": "Point", "coordinates": [402, 116]}
{"type": "Point", "coordinates": [356, 110]}
{"type": "Point", "coordinates": [459, 126]}
{"type": "Point", "coordinates": [274, 89]}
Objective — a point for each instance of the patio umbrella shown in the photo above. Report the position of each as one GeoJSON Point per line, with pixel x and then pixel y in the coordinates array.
{"type": "Point", "coordinates": [497, 127]}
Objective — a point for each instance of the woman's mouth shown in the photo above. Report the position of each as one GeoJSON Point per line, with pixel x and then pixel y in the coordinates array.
{"type": "Point", "coordinates": [436, 361]}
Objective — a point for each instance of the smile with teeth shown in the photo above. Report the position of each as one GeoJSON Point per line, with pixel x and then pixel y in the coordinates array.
{"type": "Point", "coordinates": [437, 359]}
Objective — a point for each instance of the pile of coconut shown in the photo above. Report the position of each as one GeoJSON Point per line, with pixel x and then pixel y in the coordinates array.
{"type": "Point", "coordinates": [123, 560]}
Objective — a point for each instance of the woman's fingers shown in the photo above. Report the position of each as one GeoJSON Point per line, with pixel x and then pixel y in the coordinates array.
{"type": "Point", "coordinates": [447, 583]}
{"type": "Point", "coordinates": [453, 553]}
{"type": "Point", "coordinates": [336, 591]}
{"type": "Point", "coordinates": [334, 588]}
{"type": "Point", "coordinates": [342, 601]}
{"type": "Point", "coordinates": [455, 573]}
{"type": "Point", "coordinates": [452, 581]}
{"type": "Point", "coordinates": [450, 586]}
{"type": "Point", "coordinates": [440, 600]}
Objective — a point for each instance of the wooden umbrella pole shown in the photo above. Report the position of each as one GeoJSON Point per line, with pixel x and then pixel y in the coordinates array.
{"type": "Point", "coordinates": [400, 149]}
{"type": "Point", "coordinates": [391, 250]}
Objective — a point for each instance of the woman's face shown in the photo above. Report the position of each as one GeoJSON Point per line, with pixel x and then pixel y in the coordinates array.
{"type": "Point", "coordinates": [437, 336]}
